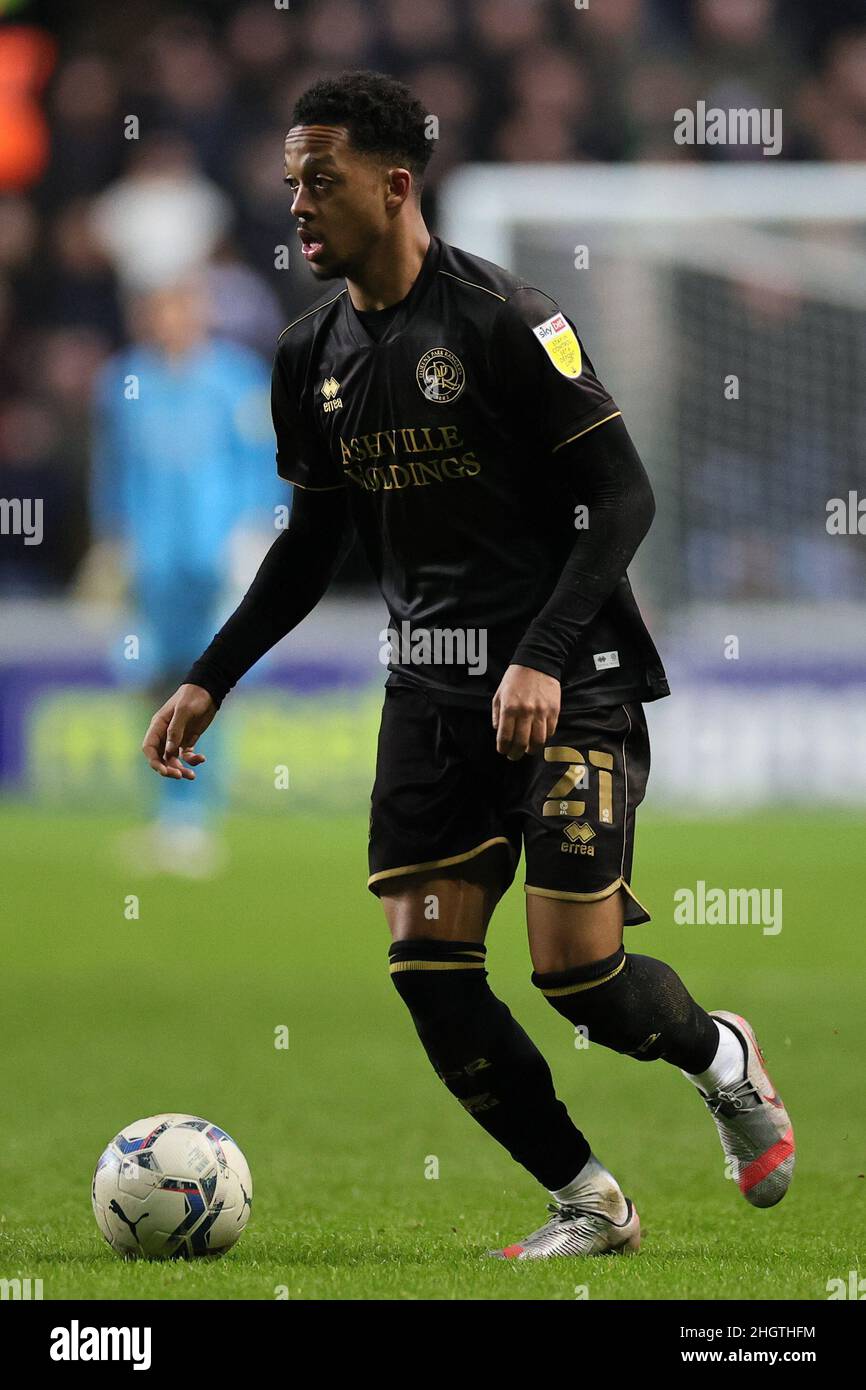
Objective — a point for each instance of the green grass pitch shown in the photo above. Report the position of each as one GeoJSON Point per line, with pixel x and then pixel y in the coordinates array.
{"type": "Point", "coordinates": [106, 1020]}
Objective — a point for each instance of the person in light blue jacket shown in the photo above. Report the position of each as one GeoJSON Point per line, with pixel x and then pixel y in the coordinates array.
{"type": "Point", "coordinates": [183, 478]}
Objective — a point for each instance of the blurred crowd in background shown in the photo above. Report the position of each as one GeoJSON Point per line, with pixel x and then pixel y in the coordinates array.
{"type": "Point", "coordinates": [141, 179]}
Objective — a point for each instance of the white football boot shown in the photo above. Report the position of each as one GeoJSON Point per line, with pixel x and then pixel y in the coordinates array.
{"type": "Point", "coordinates": [577, 1230]}
{"type": "Point", "coordinates": [753, 1124]}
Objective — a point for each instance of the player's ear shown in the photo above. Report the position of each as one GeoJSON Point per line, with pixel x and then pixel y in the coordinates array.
{"type": "Point", "coordinates": [399, 188]}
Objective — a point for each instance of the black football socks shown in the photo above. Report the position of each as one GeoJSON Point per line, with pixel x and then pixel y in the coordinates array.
{"type": "Point", "coordinates": [635, 1005]}
{"type": "Point", "coordinates": [485, 1058]}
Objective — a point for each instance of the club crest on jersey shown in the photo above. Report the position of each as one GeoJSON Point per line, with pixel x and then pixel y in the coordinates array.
{"type": "Point", "coordinates": [440, 375]}
{"type": "Point", "coordinates": [331, 392]}
{"type": "Point", "coordinates": [559, 341]}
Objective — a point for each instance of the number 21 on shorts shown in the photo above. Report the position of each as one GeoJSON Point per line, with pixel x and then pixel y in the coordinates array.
{"type": "Point", "coordinates": [576, 777]}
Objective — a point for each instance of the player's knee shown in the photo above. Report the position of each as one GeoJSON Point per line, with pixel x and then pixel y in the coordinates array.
{"type": "Point", "coordinates": [449, 904]}
{"type": "Point", "coordinates": [598, 997]}
{"type": "Point", "coordinates": [436, 977]}
{"type": "Point", "coordinates": [562, 987]}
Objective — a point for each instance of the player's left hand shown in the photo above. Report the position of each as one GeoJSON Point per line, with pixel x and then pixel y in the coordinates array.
{"type": "Point", "coordinates": [525, 711]}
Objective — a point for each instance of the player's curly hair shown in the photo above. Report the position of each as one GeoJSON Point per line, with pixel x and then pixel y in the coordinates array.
{"type": "Point", "coordinates": [381, 114]}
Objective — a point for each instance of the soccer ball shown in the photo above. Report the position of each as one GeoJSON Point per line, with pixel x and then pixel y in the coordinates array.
{"type": "Point", "coordinates": [172, 1186]}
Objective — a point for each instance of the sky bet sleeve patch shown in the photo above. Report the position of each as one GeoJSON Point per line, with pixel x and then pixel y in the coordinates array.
{"type": "Point", "coordinates": [559, 341]}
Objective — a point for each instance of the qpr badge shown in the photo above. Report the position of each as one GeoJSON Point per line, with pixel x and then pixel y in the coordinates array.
{"type": "Point", "coordinates": [440, 375]}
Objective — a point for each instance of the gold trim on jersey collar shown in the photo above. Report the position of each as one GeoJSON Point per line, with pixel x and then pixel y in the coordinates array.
{"type": "Point", "coordinates": [472, 285]}
{"type": "Point", "coordinates": [310, 313]}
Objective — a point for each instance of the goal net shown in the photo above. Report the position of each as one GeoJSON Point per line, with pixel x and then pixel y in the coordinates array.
{"type": "Point", "coordinates": [725, 310]}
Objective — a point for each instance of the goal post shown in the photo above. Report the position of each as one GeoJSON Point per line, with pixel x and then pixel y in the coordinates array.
{"type": "Point", "coordinates": [724, 307]}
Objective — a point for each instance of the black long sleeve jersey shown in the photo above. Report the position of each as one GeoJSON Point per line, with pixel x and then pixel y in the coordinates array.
{"type": "Point", "coordinates": [489, 476]}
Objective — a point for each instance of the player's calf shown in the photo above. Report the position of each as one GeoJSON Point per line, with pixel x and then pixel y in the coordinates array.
{"type": "Point", "coordinates": [484, 1057]}
{"type": "Point", "coordinates": [634, 1005]}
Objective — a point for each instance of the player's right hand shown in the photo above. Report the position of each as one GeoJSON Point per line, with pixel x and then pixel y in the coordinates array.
{"type": "Point", "coordinates": [174, 730]}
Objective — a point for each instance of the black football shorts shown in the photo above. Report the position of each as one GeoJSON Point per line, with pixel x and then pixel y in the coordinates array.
{"type": "Point", "coordinates": [443, 796]}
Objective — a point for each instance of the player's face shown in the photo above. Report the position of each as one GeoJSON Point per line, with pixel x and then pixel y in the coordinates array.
{"type": "Point", "coordinates": [340, 198]}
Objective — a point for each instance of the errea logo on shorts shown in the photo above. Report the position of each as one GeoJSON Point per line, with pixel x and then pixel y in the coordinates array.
{"type": "Point", "coordinates": [559, 341]}
{"type": "Point", "coordinates": [576, 838]}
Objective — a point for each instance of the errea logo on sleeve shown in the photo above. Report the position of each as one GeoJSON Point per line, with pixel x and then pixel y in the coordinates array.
{"type": "Point", "coordinates": [559, 341]}
{"type": "Point", "coordinates": [606, 661]}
